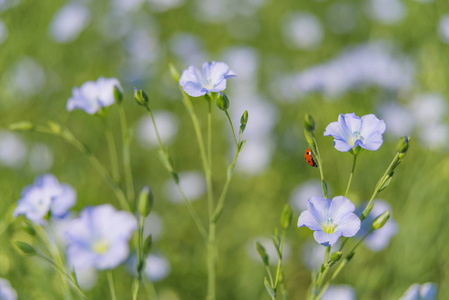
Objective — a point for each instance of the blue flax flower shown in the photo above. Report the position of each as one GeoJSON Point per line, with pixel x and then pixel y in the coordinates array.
{"type": "Point", "coordinates": [352, 131]}
{"type": "Point", "coordinates": [45, 195]}
{"type": "Point", "coordinates": [211, 79]}
{"type": "Point", "coordinates": [426, 291]}
{"type": "Point", "coordinates": [93, 95]}
{"type": "Point", "coordinates": [99, 237]}
{"type": "Point", "coordinates": [330, 219]}
{"type": "Point", "coordinates": [6, 290]}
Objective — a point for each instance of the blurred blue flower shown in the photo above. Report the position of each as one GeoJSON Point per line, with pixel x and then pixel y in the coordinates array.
{"type": "Point", "coordinates": [330, 219]}
{"type": "Point", "coordinates": [339, 292]}
{"type": "Point", "coordinates": [99, 237]}
{"type": "Point", "coordinates": [351, 131]}
{"type": "Point", "coordinates": [212, 78]}
{"type": "Point", "coordinates": [44, 195]}
{"type": "Point", "coordinates": [92, 96]}
{"type": "Point", "coordinates": [6, 290]}
{"type": "Point", "coordinates": [380, 238]}
{"type": "Point", "coordinates": [157, 267]}
{"type": "Point", "coordinates": [426, 291]}
{"type": "Point", "coordinates": [69, 22]}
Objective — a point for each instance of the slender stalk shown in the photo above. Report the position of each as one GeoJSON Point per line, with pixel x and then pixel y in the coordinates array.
{"type": "Point", "coordinates": [211, 263]}
{"type": "Point", "coordinates": [111, 285]}
{"type": "Point", "coordinates": [350, 175]}
{"type": "Point", "coordinates": [126, 155]}
{"type": "Point", "coordinates": [70, 138]}
{"type": "Point", "coordinates": [209, 160]}
{"type": "Point", "coordinates": [190, 207]}
{"type": "Point", "coordinates": [279, 267]}
{"type": "Point", "coordinates": [320, 167]}
{"type": "Point", "coordinates": [112, 151]}
{"type": "Point", "coordinates": [232, 128]}
{"type": "Point", "coordinates": [140, 259]}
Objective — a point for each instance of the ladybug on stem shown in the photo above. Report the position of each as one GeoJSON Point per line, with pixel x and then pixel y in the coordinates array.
{"type": "Point", "coordinates": [309, 158]}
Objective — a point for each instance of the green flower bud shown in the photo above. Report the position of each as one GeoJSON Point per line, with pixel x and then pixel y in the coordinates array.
{"type": "Point", "coordinates": [403, 144]}
{"type": "Point", "coordinates": [309, 138]}
{"type": "Point", "coordinates": [54, 127]}
{"type": "Point", "coordinates": [28, 228]}
{"type": "Point", "coordinates": [380, 221]}
{"type": "Point", "coordinates": [336, 256]}
{"type": "Point", "coordinates": [147, 245]}
{"type": "Point", "coordinates": [222, 102]}
{"type": "Point", "coordinates": [309, 123]}
{"type": "Point", "coordinates": [141, 97]}
{"type": "Point", "coordinates": [145, 202]}
{"type": "Point", "coordinates": [262, 253]}
{"type": "Point", "coordinates": [118, 94]}
{"type": "Point", "coordinates": [244, 118]}
{"type": "Point", "coordinates": [286, 218]}
{"type": "Point", "coordinates": [25, 248]}
{"type": "Point", "coordinates": [22, 126]}
{"type": "Point", "coordinates": [174, 72]}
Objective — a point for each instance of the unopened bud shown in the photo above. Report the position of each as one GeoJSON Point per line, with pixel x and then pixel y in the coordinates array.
{"type": "Point", "coordinates": [147, 245]}
{"type": "Point", "coordinates": [222, 102]}
{"type": "Point", "coordinates": [380, 221]}
{"type": "Point", "coordinates": [141, 97]}
{"type": "Point", "coordinates": [28, 228]}
{"type": "Point", "coordinates": [309, 123]}
{"type": "Point", "coordinates": [25, 248]}
{"type": "Point", "coordinates": [403, 144]}
{"type": "Point", "coordinates": [118, 94]}
{"type": "Point", "coordinates": [244, 118]}
{"type": "Point", "coordinates": [309, 138]}
{"type": "Point", "coordinates": [336, 256]}
{"type": "Point", "coordinates": [145, 202]}
{"type": "Point", "coordinates": [262, 253]}
{"type": "Point", "coordinates": [286, 218]}
{"type": "Point", "coordinates": [22, 126]}
{"type": "Point", "coordinates": [174, 72]}
{"type": "Point", "coordinates": [54, 127]}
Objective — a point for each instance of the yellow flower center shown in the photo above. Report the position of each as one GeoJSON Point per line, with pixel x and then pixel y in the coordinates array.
{"type": "Point", "coordinates": [329, 226]}
{"type": "Point", "coordinates": [101, 246]}
{"type": "Point", "coordinates": [356, 136]}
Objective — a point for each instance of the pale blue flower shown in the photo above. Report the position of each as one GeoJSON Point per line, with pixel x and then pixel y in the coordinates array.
{"type": "Point", "coordinates": [426, 291]}
{"type": "Point", "coordinates": [6, 290]}
{"type": "Point", "coordinates": [211, 79]}
{"type": "Point", "coordinates": [330, 219]}
{"type": "Point", "coordinates": [45, 195]}
{"type": "Point", "coordinates": [339, 292]}
{"type": "Point", "coordinates": [352, 131]}
{"type": "Point", "coordinates": [380, 238]}
{"type": "Point", "coordinates": [93, 95]}
{"type": "Point", "coordinates": [157, 267]}
{"type": "Point", "coordinates": [99, 237]}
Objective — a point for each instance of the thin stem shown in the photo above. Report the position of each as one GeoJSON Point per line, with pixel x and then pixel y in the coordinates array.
{"type": "Point", "coordinates": [126, 155]}
{"type": "Point", "coordinates": [190, 207]}
{"type": "Point", "coordinates": [352, 173]}
{"type": "Point", "coordinates": [112, 153]}
{"type": "Point", "coordinates": [111, 285]}
{"type": "Point", "coordinates": [269, 275]}
{"type": "Point", "coordinates": [326, 255]}
{"type": "Point", "coordinates": [232, 128]}
{"type": "Point", "coordinates": [320, 166]}
{"type": "Point", "coordinates": [209, 159]}
{"type": "Point", "coordinates": [279, 267]}
{"type": "Point", "coordinates": [140, 259]}
{"type": "Point", "coordinates": [211, 263]}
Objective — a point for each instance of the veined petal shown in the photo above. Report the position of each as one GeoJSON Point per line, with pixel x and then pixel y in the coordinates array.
{"type": "Point", "coordinates": [342, 145]}
{"type": "Point", "coordinates": [307, 219]}
{"type": "Point", "coordinates": [349, 225]}
{"type": "Point", "coordinates": [339, 207]}
{"type": "Point", "coordinates": [334, 129]}
{"type": "Point", "coordinates": [370, 124]}
{"type": "Point", "coordinates": [190, 75]}
{"type": "Point", "coordinates": [218, 71]}
{"type": "Point", "coordinates": [326, 239]}
{"type": "Point", "coordinates": [353, 122]}
{"type": "Point", "coordinates": [319, 208]}
{"type": "Point", "coordinates": [220, 87]}
{"type": "Point", "coordinates": [373, 142]}
{"type": "Point", "coordinates": [194, 89]}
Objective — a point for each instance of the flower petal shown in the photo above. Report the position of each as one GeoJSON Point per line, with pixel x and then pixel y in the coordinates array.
{"type": "Point", "coordinates": [319, 208]}
{"type": "Point", "coordinates": [370, 124]}
{"type": "Point", "coordinates": [190, 75]}
{"type": "Point", "coordinates": [342, 145]}
{"type": "Point", "coordinates": [373, 142]}
{"type": "Point", "coordinates": [349, 225]}
{"type": "Point", "coordinates": [350, 123]}
{"type": "Point", "coordinates": [218, 71]}
{"type": "Point", "coordinates": [326, 239]}
{"type": "Point", "coordinates": [339, 207]}
{"type": "Point", "coordinates": [194, 89]}
{"type": "Point", "coordinates": [334, 129]}
{"type": "Point", "coordinates": [307, 219]}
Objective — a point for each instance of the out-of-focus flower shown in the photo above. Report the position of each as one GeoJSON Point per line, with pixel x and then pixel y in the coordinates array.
{"type": "Point", "coordinates": [26, 78]}
{"type": "Point", "coordinates": [352, 131]}
{"type": "Point", "coordinates": [434, 136]}
{"type": "Point", "coordinates": [193, 184]}
{"type": "Point", "coordinates": [386, 11]}
{"type": "Point", "coordinates": [218, 11]}
{"type": "Point", "coordinates": [164, 5]}
{"type": "Point", "coordinates": [330, 219]}
{"type": "Point", "coordinates": [429, 107]}
{"type": "Point", "coordinates": [380, 238]}
{"type": "Point", "coordinates": [302, 30]}
{"type": "Point", "coordinates": [126, 5]}
{"type": "Point", "coordinates": [41, 158]}
{"type": "Point", "coordinates": [153, 225]}
{"type": "Point", "coordinates": [87, 277]}
{"type": "Point", "coordinates": [398, 118]}
{"type": "Point", "coordinates": [303, 192]}
{"type": "Point", "coordinates": [167, 125]}
{"type": "Point", "coordinates": [188, 48]}
{"type": "Point", "coordinates": [426, 291]}
{"type": "Point", "coordinates": [44, 195]}
{"type": "Point", "coordinates": [339, 292]}
{"type": "Point", "coordinates": [3, 32]}
{"type": "Point", "coordinates": [312, 254]}
{"type": "Point", "coordinates": [99, 237]}
{"type": "Point", "coordinates": [212, 78]}
{"type": "Point", "coordinates": [267, 243]}
{"type": "Point", "coordinates": [256, 156]}
{"type": "Point", "coordinates": [6, 290]}
{"type": "Point", "coordinates": [443, 29]}
{"type": "Point", "coordinates": [93, 95]}
{"type": "Point", "coordinates": [157, 267]}
{"type": "Point", "coordinates": [13, 150]}
{"type": "Point", "coordinates": [69, 22]}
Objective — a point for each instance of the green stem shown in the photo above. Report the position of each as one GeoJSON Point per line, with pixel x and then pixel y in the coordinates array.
{"type": "Point", "coordinates": [126, 155]}
{"type": "Point", "coordinates": [111, 285]}
{"type": "Point", "coordinates": [211, 263]}
{"type": "Point", "coordinates": [320, 166]}
{"type": "Point", "coordinates": [232, 128]}
{"type": "Point", "coordinates": [140, 259]}
{"type": "Point", "coordinates": [350, 176]}
{"type": "Point", "coordinates": [113, 154]}
{"type": "Point", "coordinates": [279, 267]}
{"type": "Point", "coordinates": [70, 138]}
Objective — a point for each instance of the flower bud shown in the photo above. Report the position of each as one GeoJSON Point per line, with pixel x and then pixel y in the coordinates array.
{"type": "Point", "coordinates": [262, 253]}
{"type": "Point", "coordinates": [336, 256]}
{"type": "Point", "coordinates": [22, 126]}
{"type": "Point", "coordinates": [286, 218]}
{"type": "Point", "coordinates": [28, 228]}
{"type": "Point", "coordinates": [145, 202]}
{"type": "Point", "coordinates": [309, 123]}
{"type": "Point", "coordinates": [309, 138]}
{"type": "Point", "coordinates": [380, 221]}
{"type": "Point", "coordinates": [403, 144]}
{"type": "Point", "coordinates": [147, 245]}
{"type": "Point", "coordinates": [244, 118]}
{"type": "Point", "coordinates": [25, 248]}
{"type": "Point", "coordinates": [174, 72]}
{"type": "Point", "coordinates": [118, 94]}
{"type": "Point", "coordinates": [141, 97]}
{"type": "Point", "coordinates": [54, 127]}
{"type": "Point", "coordinates": [222, 102]}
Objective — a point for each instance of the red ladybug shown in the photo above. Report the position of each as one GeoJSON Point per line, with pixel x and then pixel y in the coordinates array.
{"type": "Point", "coordinates": [309, 158]}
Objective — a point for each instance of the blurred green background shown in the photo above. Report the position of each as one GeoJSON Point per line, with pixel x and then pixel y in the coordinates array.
{"type": "Point", "coordinates": [269, 44]}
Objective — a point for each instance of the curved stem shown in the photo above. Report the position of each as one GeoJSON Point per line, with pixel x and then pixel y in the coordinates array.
{"type": "Point", "coordinates": [350, 175]}
{"type": "Point", "coordinates": [279, 267]}
{"type": "Point", "coordinates": [112, 153]}
{"type": "Point", "coordinates": [126, 155]}
{"type": "Point", "coordinates": [232, 128]}
{"type": "Point", "coordinates": [111, 285]}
